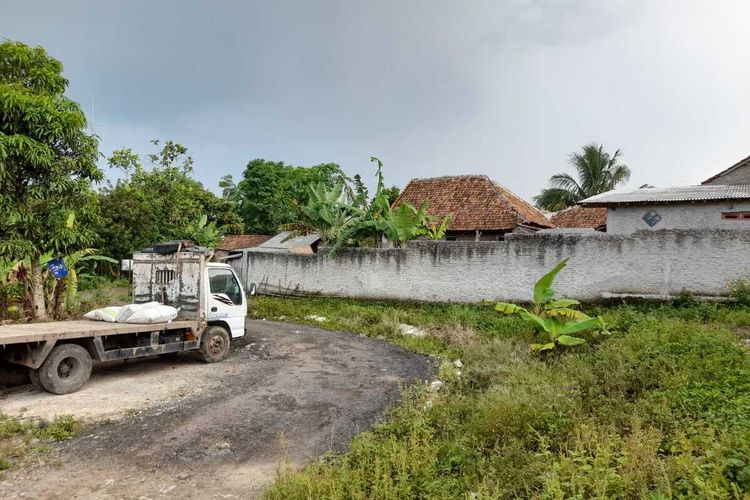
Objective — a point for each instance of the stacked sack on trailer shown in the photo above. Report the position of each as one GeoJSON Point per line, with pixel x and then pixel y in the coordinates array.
{"type": "Point", "coordinates": [150, 312]}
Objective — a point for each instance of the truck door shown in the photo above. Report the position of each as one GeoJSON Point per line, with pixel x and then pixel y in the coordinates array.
{"type": "Point", "coordinates": [226, 300]}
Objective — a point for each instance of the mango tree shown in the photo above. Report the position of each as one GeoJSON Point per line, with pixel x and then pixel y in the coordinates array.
{"type": "Point", "coordinates": [47, 163]}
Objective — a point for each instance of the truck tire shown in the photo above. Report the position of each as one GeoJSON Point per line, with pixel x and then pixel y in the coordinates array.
{"type": "Point", "coordinates": [34, 377]}
{"type": "Point", "coordinates": [215, 344]}
{"type": "Point", "coordinates": [66, 369]}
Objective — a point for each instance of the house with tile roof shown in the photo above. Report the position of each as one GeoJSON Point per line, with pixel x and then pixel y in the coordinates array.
{"type": "Point", "coordinates": [580, 217]}
{"type": "Point", "coordinates": [236, 242]}
{"type": "Point", "coordinates": [690, 207]}
{"type": "Point", "coordinates": [739, 173]}
{"type": "Point", "coordinates": [480, 208]}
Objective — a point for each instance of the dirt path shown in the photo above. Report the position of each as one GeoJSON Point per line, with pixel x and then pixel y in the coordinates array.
{"type": "Point", "coordinates": [289, 393]}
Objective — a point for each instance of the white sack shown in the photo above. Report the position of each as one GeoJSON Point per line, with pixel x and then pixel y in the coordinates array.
{"type": "Point", "coordinates": [130, 309]}
{"type": "Point", "coordinates": [154, 314]}
{"type": "Point", "coordinates": [108, 314]}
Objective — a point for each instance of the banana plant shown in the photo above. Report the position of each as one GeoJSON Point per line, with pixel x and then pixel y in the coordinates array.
{"type": "Point", "coordinates": [73, 261]}
{"type": "Point", "coordinates": [404, 223]}
{"type": "Point", "coordinates": [437, 227]}
{"type": "Point", "coordinates": [557, 318]}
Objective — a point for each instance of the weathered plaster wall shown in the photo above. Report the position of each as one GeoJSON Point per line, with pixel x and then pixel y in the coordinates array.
{"type": "Point", "coordinates": [627, 220]}
{"type": "Point", "coordinates": [649, 262]}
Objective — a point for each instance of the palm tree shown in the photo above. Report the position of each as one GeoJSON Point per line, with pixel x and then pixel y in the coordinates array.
{"type": "Point", "coordinates": [597, 171]}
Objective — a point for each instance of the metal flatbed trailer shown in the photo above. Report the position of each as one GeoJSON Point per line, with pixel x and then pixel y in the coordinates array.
{"type": "Point", "coordinates": [85, 328]}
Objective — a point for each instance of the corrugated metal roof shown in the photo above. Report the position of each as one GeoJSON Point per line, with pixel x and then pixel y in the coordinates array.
{"type": "Point", "coordinates": [282, 242]}
{"type": "Point", "coordinates": [670, 195]}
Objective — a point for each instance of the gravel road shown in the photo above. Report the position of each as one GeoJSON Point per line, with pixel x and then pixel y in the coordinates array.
{"type": "Point", "coordinates": [288, 394]}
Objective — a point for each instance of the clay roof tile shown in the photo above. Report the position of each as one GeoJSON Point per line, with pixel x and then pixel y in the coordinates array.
{"type": "Point", "coordinates": [476, 202]}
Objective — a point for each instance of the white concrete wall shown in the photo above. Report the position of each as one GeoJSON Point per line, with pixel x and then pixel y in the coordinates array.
{"type": "Point", "coordinates": [627, 220]}
{"type": "Point", "coordinates": [649, 262]}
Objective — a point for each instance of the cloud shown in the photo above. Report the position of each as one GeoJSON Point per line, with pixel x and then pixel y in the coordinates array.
{"type": "Point", "coordinates": [432, 87]}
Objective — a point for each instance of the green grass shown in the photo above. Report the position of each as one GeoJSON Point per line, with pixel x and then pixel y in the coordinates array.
{"type": "Point", "coordinates": [661, 408]}
{"type": "Point", "coordinates": [21, 436]}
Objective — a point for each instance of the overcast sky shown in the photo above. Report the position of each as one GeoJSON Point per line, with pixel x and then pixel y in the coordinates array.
{"type": "Point", "coordinates": [503, 88]}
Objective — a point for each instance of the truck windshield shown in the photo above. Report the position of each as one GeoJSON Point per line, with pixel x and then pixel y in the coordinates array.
{"type": "Point", "coordinates": [223, 281]}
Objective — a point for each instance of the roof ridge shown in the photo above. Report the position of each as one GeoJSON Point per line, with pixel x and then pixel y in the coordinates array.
{"type": "Point", "coordinates": [505, 192]}
{"type": "Point", "coordinates": [727, 170]}
{"type": "Point", "coordinates": [442, 177]}
{"type": "Point", "coordinates": [504, 197]}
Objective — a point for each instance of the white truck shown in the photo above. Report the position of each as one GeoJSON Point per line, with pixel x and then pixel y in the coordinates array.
{"type": "Point", "coordinates": [212, 309]}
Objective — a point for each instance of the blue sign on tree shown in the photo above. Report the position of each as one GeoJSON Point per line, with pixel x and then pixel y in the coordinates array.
{"type": "Point", "coordinates": [57, 268]}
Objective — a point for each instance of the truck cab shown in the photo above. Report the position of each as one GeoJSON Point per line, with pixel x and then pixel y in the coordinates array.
{"type": "Point", "coordinates": [226, 304]}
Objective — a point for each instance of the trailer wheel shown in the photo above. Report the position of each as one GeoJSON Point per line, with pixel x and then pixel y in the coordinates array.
{"type": "Point", "coordinates": [66, 369]}
{"type": "Point", "coordinates": [34, 377]}
{"type": "Point", "coordinates": [215, 344]}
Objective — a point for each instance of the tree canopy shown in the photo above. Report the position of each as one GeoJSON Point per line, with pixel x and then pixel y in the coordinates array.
{"type": "Point", "coordinates": [47, 162]}
{"type": "Point", "coordinates": [270, 192]}
{"type": "Point", "coordinates": [160, 202]}
{"type": "Point", "coordinates": [597, 172]}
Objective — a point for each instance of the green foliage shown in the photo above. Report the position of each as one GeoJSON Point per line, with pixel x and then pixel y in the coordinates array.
{"type": "Point", "coordinates": [203, 233]}
{"type": "Point", "coordinates": [437, 227]}
{"type": "Point", "coordinates": [597, 171]}
{"type": "Point", "coordinates": [685, 298]}
{"type": "Point", "coordinates": [269, 192]}
{"type": "Point", "coordinates": [555, 317]}
{"type": "Point", "coordinates": [371, 221]}
{"type": "Point", "coordinates": [660, 410]}
{"type": "Point", "coordinates": [326, 213]}
{"type": "Point", "coordinates": [739, 290]}
{"type": "Point", "coordinates": [404, 223]}
{"type": "Point", "coordinates": [11, 290]}
{"type": "Point", "coordinates": [160, 202]}
{"type": "Point", "coordinates": [19, 437]}
{"type": "Point", "coordinates": [47, 162]}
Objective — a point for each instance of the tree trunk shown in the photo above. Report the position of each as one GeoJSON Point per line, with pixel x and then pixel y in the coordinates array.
{"type": "Point", "coordinates": [37, 289]}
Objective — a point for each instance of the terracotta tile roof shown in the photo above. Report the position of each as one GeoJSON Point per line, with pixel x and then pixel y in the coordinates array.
{"type": "Point", "coordinates": [238, 241]}
{"type": "Point", "coordinates": [476, 202]}
{"type": "Point", "coordinates": [745, 162]}
{"type": "Point", "coordinates": [578, 216]}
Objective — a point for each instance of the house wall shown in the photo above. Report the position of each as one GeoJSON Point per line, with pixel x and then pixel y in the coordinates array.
{"type": "Point", "coordinates": [629, 219]}
{"type": "Point", "coordinates": [648, 262]}
{"type": "Point", "coordinates": [472, 235]}
{"type": "Point", "coordinates": [740, 175]}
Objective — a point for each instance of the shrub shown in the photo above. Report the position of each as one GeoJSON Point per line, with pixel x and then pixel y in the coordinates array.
{"type": "Point", "coordinates": [739, 290]}
{"type": "Point", "coordinates": [557, 318]}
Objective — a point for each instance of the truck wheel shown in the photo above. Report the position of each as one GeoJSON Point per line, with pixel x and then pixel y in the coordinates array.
{"type": "Point", "coordinates": [215, 344]}
{"type": "Point", "coordinates": [34, 377]}
{"type": "Point", "coordinates": [66, 369]}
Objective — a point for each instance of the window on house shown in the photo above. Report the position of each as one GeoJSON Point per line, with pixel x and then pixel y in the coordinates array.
{"type": "Point", "coordinates": [735, 215]}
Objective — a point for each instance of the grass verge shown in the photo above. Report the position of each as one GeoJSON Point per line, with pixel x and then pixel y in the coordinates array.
{"type": "Point", "coordinates": [21, 437]}
{"type": "Point", "coordinates": [659, 409]}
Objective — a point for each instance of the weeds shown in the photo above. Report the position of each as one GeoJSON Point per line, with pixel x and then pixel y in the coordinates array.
{"type": "Point", "coordinates": [660, 408]}
{"type": "Point", "coordinates": [19, 437]}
